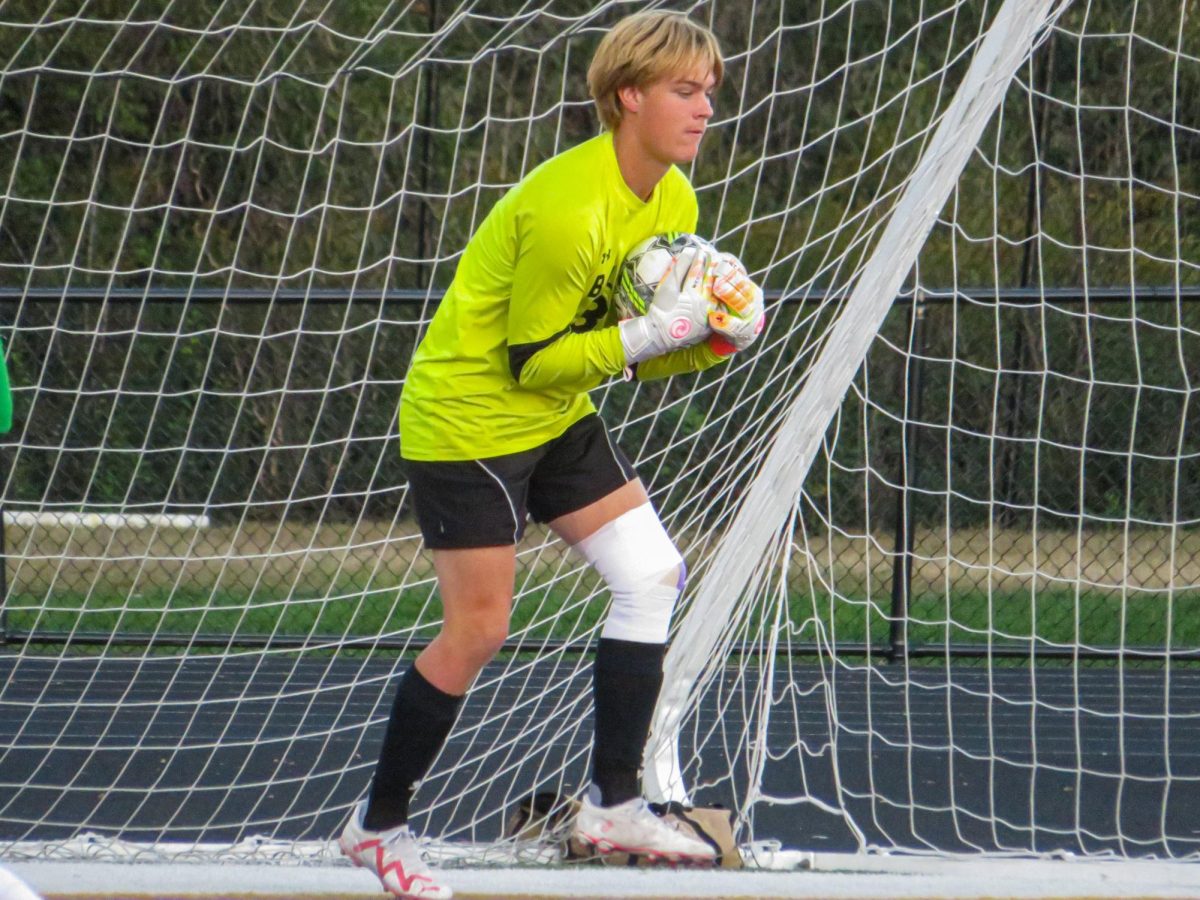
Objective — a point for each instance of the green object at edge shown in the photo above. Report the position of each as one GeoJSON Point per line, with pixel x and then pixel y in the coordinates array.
{"type": "Point", "coordinates": [5, 395]}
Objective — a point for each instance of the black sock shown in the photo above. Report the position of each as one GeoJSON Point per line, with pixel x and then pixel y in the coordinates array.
{"type": "Point", "coordinates": [626, 679]}
{"type": "Point", "coordinates": [421, 718]}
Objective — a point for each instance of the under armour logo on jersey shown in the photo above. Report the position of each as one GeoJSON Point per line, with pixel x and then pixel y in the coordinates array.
{"type": "Point", "coordinates": [605, 256]}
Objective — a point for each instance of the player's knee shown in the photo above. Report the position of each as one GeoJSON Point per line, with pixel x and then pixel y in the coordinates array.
{"type": "Point", "coordinates": [478, 639]}
{"type": "Point", "coordinates": [644, 573]}
{"type": "Point", "coordinates": [490, 638]}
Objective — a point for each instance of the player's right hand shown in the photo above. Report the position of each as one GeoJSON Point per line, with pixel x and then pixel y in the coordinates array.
{"type": "Point", "coordinates": [678, 316]}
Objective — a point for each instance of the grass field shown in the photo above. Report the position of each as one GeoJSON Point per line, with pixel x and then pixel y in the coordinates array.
{"type": "Point", "coordinates": [286, 580]}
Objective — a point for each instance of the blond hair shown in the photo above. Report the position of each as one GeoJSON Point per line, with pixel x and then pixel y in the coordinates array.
{"type": "Point", "coordinates": [643, 48]}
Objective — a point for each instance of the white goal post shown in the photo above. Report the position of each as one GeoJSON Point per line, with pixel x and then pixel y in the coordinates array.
{"type": "Point", "coordinates": [942, 525]}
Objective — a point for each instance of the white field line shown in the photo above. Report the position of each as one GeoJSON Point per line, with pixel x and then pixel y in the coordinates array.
{"type": "Point", "coordinates": [840, 876]}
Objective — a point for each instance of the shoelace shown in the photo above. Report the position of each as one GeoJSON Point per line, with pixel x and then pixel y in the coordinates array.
{"type": "Point", "coordinates": [644, 810]}
{"type": "Point", "coordinates": [401, 835]}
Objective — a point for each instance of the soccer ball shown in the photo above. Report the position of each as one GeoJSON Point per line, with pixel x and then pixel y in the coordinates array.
{"type": "Point", "coordinates": [646, 265]}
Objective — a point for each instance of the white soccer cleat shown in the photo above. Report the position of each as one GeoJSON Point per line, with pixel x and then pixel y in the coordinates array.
{"type": "Point", "coordinates": [631, 827]}
{"type": "Point", "coordinates": [392, 855]}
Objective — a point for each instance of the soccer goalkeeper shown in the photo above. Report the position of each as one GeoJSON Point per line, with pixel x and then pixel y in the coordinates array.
{"type": "Point", "coordinates": [496, 425]}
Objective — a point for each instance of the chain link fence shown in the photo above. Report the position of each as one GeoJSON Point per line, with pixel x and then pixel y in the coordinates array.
{"type": "Point", "coordinates": [1005, 477]}
{"type": "Point", "coordinates": [1017, 475]}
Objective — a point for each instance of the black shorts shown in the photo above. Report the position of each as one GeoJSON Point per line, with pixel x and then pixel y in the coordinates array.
{"type": "Point", "coordinates": [484, 502]}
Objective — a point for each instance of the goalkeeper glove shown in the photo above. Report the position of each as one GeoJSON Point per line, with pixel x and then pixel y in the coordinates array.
{"type": "Point", "coordinates": [677, 316]}
{"type": "Point", "coordinates": [740, 314]}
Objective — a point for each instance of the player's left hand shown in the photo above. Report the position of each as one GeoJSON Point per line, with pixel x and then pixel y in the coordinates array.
{"type": "Point", "coordinates": [739, 313]}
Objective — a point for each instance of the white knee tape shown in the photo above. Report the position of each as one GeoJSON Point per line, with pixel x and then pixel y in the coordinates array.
{"type": "Point", "coordinates": [644, 573]}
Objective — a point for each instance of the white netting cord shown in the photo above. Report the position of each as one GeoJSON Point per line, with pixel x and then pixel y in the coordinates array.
{"type": "Point", "coordinates": [772, 497]}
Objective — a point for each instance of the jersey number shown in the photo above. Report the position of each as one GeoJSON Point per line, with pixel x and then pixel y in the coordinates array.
{"type": "Point", "coordinates": [596, 312]}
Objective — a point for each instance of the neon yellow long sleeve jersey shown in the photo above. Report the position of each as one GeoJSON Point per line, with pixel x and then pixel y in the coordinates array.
{"type": "Point", "coordinates": [526, 328]}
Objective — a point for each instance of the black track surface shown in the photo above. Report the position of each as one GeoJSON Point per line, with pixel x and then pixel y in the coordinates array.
{"type": "Point", "coordinates": [217, 749]}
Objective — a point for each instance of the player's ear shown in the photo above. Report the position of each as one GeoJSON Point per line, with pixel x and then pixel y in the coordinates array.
{"type": "Point", "coordinates": [630, 97]}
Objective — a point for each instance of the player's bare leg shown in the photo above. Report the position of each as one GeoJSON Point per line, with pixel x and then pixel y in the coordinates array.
{"type": "Point", "coordinates": [577, 525]}
{"type": "Point", "coordinates": [476, 588]}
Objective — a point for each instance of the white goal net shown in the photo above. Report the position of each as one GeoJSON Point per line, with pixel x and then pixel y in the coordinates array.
{"type": "Point", "coordinates": [942, 525]}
